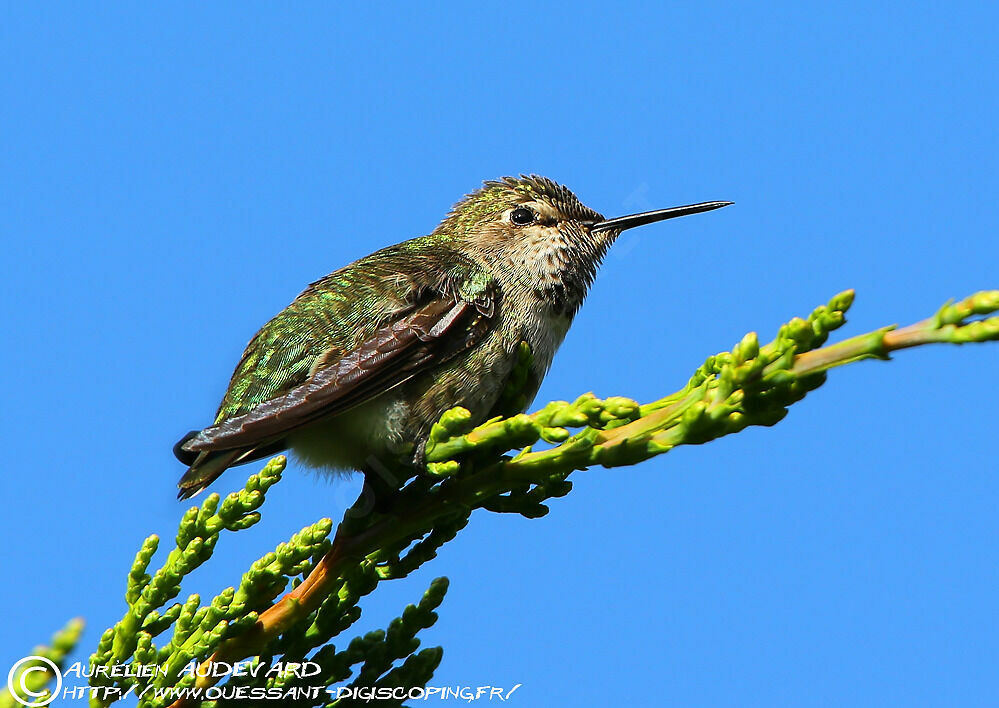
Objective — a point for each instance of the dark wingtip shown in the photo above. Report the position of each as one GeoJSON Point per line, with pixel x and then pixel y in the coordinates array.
{"type": "Point", "coordinates": [186, 456]}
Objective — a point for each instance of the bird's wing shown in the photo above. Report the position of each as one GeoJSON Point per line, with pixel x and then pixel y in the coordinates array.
{"type": "Point", "coordinates": [429, 332]}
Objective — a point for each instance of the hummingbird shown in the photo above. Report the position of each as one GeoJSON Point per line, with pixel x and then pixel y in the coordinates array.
{"type": "Point", "coordinates": [365, 360]}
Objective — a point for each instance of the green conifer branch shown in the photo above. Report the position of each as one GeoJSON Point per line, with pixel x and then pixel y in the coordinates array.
{"type": "Point", "coordinates": [198, 629]}
{"type": "Point", "coordinates": [508, 465]}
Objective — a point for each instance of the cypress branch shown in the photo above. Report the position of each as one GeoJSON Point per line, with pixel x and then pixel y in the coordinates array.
{"type": "Point", "coordinates": [514, 464]}
{"type": "Point", "coordinates": [750, 385]}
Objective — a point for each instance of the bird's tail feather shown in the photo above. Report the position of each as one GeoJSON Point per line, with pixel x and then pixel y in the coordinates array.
{"type": "Point", "coordinates": [205, 469]}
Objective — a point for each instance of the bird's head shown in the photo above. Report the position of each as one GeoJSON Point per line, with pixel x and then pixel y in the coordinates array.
{"type": "Point", "coordinates": [535, 232]}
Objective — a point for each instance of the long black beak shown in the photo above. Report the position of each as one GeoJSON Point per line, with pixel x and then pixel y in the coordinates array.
{"type": "Point", "coordinates": [648, 217]}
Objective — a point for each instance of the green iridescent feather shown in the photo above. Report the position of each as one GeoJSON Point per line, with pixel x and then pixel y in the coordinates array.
{"type": "Point", "coordinates": [338, 312]}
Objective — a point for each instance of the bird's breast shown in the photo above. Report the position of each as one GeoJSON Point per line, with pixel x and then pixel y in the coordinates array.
{"type": "Point", "coordinates": [544, 330]}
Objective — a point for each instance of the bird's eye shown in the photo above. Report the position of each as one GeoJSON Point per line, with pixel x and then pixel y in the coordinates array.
{"type": "Point", "coordinates": [522, 216]}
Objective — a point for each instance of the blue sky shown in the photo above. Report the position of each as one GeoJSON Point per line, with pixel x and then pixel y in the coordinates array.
{"type": "Point", "coordinates": [174, 176]}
